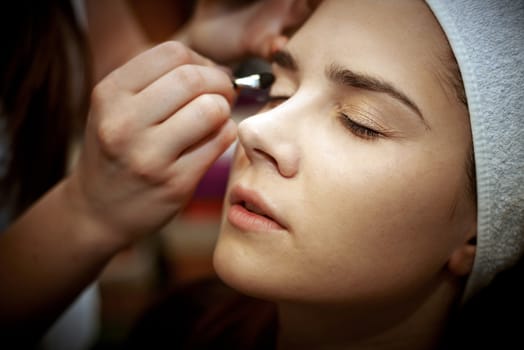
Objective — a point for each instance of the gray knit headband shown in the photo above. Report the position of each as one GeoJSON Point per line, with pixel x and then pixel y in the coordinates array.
{"type": "Point", "coordinates": [487, 38]}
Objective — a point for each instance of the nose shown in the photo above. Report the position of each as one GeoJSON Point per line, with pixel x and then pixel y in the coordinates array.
{"type": "Point", "coordinates": [269, 142]}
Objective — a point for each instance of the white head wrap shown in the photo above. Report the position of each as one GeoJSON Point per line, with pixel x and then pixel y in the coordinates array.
{"type": "Point", "coordinates": [487, 38]}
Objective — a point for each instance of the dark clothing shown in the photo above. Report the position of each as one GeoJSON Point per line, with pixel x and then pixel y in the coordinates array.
{"type": "Point", "coordinates": [210, 315]}
{"type": "Point", "coordinates": [206, 315]}
{"type": "Point", "coordinates": [494, 317]}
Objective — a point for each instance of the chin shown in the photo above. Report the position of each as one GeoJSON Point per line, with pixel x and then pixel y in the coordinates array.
{"type": "Point", "coordinates": [242, 273]}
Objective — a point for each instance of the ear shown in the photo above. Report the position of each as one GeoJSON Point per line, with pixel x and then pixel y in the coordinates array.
{"type": "Point", "coordinates": [461, 260]}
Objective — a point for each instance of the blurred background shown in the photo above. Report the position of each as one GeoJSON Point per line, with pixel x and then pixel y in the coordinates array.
{"type": "Point", "coordinates": [179, 254]}
{"type": "Point", "coordinates": [182, 251]}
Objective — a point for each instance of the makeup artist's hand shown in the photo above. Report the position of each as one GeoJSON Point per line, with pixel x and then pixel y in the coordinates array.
{"type": "Point", "coordinates": [155, 126]}
{"type": "Point", "coordinates": [230, 30]}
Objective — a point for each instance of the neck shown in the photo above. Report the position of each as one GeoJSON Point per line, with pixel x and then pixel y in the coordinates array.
{"type": "Point", "coordinates": [417, 323]}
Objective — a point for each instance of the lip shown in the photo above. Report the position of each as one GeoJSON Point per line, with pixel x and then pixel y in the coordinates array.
{"type": "Point", "coordinates": [263, 219]}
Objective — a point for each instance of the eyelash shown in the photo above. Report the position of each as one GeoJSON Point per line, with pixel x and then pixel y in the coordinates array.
{"type": "Point", "coordinates": [355, 128]}
{"type": "Point", "coordinates": [358, 129]}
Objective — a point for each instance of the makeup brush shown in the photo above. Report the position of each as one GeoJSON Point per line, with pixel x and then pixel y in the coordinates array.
{"type": "Point", "coordinates": [259, 81]}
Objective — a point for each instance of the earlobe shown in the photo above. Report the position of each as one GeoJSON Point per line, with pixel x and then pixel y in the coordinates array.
{"type": "Point", "coordinates": [461, 260]}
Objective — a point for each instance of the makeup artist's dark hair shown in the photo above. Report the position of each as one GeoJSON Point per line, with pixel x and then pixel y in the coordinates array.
{"type": "Point", "coordinates": [44, 95]}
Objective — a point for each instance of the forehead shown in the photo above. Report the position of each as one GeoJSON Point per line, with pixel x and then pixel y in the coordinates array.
{"type": "Point", "coordinates": [399, 41]}
{"type": "Point", "coordinates": [387, 20]}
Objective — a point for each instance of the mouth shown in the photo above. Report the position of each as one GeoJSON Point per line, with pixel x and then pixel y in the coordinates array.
{"type": "Point", "coordinates": [250, 212]}
{"type": "Point", "coordinates": [254, 209]}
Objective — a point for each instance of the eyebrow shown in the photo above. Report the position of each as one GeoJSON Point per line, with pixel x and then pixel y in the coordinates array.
{"type": "Point", "coordinates": [285, 60]}
{"type": "Point", "coordinates": [347, 77]}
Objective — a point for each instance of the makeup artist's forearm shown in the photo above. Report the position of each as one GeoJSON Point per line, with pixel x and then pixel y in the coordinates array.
{"type": "Point", "coordinates": [47, 257]}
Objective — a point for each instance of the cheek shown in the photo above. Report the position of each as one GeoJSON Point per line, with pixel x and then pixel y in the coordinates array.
{"type": "Point", "coordinates": [378, 221]}
{"type": "Point", "coordinates": [373, 223]}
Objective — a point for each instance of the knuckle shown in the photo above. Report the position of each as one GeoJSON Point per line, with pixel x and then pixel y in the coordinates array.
{"type": "Point", "coordinates": [99, 94]}
{"type": "Point", "coordinates": [104, 98]}
{"type": "Point", "coordinates": [178, 51]}
{"type": "Point", "coordinates": [145, 167]}
{"type": "Point", "coordinates": [190, 77]}
{"type": "Point", "coordinates": [106, 89]}
{"type": "Point", "coordinates": [112, 136]}
{"type": "Point", "coordinates": [214, 107]}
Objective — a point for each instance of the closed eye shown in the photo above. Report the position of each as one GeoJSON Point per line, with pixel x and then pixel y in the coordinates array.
{"type": "Point", "coordinates": [357, 129]}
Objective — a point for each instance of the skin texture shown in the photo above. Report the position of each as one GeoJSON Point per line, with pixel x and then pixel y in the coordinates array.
{"type": "Point", "coordinates": [158, 119]}
{"type": "Point", "coordinates": [149, 138]}
{"type": "Point", "coordinates": [373, 226]}
{"type": "Point", "coordinates": [239, 29]}
{"type": "Point", "coordinates": [242, 28]}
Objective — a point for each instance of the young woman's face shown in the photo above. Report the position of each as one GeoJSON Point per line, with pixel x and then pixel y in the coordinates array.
{"type": "Point", "coordinates": [351, 185]}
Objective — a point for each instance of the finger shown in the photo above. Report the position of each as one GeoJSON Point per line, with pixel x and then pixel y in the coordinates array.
{"type": "Point", "coordinates": [271, 45]}
{"type": "Point", "coordinates": [269, 24]}
{"type": "Point", "coordinates": [190, 125]}
{"type": "Point", "coordinates": [148, 66]}
{"type": "Point", "coordinates": [283, 19]}
{"type": "Point", "coordinates": [195, 161]}
{"type": "Point", "coordinates": [298, 13]}
{"type": "Point", "coordinates": [179, 87]}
